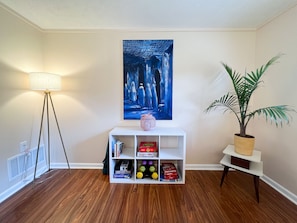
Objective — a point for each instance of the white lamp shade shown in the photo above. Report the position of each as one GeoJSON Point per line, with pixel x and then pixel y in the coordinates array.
{"type": "Point", "coordinates": [45, 81]}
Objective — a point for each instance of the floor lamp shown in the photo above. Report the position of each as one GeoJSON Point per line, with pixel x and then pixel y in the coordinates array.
{"type": "Point", "coordinates": [47, 82]}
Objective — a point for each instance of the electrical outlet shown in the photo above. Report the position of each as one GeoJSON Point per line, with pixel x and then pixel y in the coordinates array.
{"type": "Point", "coordinates": [23, 146]}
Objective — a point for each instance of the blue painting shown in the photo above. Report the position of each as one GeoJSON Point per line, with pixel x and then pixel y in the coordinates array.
{"type": "Point", "coordinates": [147, 78]}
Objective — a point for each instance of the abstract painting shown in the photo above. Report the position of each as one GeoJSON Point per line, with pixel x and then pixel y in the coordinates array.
{"type": "Point", "coordinates": [147, 78]}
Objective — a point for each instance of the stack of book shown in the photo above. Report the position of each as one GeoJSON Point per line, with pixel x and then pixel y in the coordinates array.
{"type": "Point", "coordinates": [123, 169]}
{"type": "Point", "coordinates": [168, 172]}
{"type": "Point", "coordinates": [117, 148]}
{"type": "Point", "coordinates": [147, 149]}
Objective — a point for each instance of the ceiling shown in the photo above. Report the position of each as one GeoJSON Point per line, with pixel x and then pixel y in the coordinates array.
{"type": "Point", "coordinates": [148, 14]}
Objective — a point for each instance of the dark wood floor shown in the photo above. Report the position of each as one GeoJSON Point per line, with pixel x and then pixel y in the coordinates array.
{"type": "Point", "coordinates": [87, 196]}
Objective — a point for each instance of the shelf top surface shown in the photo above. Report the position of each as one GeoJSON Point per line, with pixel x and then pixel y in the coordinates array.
{"type": "Point", "coordinates": [134, 130]}
{"type": "Point", "coordinates": [255, 157]}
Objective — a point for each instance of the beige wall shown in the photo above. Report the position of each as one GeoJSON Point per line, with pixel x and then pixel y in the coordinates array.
{"type": "Point", "coordinates": [279, 144]}
{"type": "Point", "coordinates": [20, 51]}
{"type": "Point", "coordinates": [91, 101]}
{"type": "Point", "coordinates": [90, 104]}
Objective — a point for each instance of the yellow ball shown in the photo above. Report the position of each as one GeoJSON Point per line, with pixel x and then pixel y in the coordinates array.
{"type": "Point", "coordinates": [139, 175]}
{"type": "Point", "coordinates": [155, 175]}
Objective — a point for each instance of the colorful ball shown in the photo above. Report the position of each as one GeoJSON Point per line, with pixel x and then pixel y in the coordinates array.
{"type": "Point", "coordinates": [155, 175]}
{"type": "Point", "coordinates": [142, 168]}
{"type": "Point", "coordinates": [139, 175]}
{"type": "Point", "coordinates": [152, 169]}
{"type": "Point", "coordinates": [150, 162]}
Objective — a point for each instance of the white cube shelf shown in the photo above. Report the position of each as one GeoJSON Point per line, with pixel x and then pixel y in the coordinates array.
{"type": "Point", "coordinates": [171, 144]}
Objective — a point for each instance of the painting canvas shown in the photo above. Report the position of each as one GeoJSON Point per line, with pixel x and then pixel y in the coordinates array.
{"type": "Point", "coordinates": [147, 78]}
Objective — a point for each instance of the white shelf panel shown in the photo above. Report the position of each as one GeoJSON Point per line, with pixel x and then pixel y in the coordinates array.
{"type": "Point", "coordinates": [171, 154]}
{"type": "Point", "coordinates": [128, 153]}
{"type": "Point", "coordinates": [122, 180]}
{"type": "Point", "coordinates": [156, 131]}
{"type": "Point", "coordinates": [255, 157]}
{"type": "Point", "coordinates": [147, 158]}
{"type": "Point", "coordinates": [256, 168]}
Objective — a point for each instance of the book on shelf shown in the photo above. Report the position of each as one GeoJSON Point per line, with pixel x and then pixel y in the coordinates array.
{"type": "Point", "coordinates": [117, 148]}
{"type": "Point", "coordinates": [169, 177]}
{"type": "Point", "coordinates": [147, 154]}
{"type": "Point", "coordinates": [112, 144]}
{"type": "Point", "coordinates": [168, 171]}
{"type": "Point", "coordinates": [122, 175]}
{"type": "Point", "coordinates": [123, 166]}
{"type": "Point", "coordinates": [168, 168]}
{"type": "Point", "coordinates": [169, 180]}
{"type": "Point", "coordinates": [147, 147]}
{"type": "Point", "coordinates": [123, 172]}
{"type": "Point", "coordinates": [123, 169]}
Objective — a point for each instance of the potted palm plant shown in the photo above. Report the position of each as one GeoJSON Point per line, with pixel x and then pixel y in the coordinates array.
{"type": "Point", "coordinates": [238, 102]}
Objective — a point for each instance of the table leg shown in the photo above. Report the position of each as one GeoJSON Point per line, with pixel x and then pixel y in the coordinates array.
{"type": "Point", "coordinates": [226, 168]}
{"type": "Point", "coordinates": [256, 182]}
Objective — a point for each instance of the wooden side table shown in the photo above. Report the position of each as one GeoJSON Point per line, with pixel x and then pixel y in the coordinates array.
{"type": "Point", "coordinates": [255, 165]}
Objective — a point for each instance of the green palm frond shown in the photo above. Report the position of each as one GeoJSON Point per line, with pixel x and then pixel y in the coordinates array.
{"type": "Point", "coordinates": [236, 78]}
{"type": "Point", "coordinates": [253, 79]}
{"type": "Point", "coordinates": [227, 102]}
{"type": "Point", "coordinates": [238, 102]}
{"type": "Point", "coordinates": [276, 114]}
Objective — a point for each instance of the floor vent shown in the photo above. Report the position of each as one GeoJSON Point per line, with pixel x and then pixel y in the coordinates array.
{"type": "Point", "coordinates": [20, 164]}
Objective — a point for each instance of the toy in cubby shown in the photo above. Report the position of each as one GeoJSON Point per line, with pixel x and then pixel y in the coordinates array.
{"type": "Point", "coordinates": [147, 169]}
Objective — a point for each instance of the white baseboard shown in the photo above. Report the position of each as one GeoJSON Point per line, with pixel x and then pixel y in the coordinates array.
{"type": "Point", "coordinates": [21, 184]}
{"type": "Point", "coordinates": [204, 167]}
{"type": "Point", "coordinates": [77, 165]}
{"type": "Point", "coordinates": [288, 194]}
{"type": "Point", "coordinates": [279, 188]}
{"type": "Point", "coordinates": [212, 167]}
